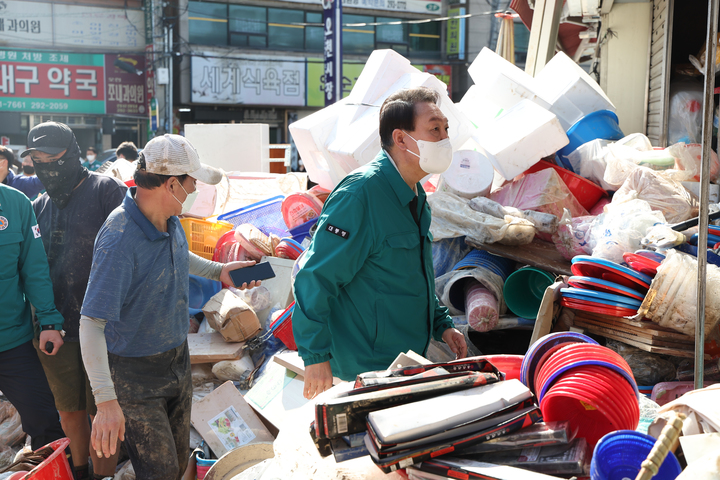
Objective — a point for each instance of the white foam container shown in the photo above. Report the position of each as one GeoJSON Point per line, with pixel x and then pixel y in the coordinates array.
{"type": "Point", "coordinates": [520, 138]}
{"type": "Point", "coordinates": [338, 139]}
{"type": "Point", "coordinates": [570, 90]}
{"type": "Point", "coordinates": [470, 175]}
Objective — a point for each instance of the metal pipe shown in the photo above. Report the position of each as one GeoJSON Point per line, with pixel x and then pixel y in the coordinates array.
{"type": "Point", "coordinates": [708, 107]}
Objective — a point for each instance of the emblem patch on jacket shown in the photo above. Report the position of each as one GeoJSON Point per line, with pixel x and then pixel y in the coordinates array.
{"type": "Point", "coordinates": [337, 231]}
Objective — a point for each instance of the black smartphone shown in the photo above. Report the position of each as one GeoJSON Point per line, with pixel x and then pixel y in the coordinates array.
{"type": "Point", "coordinates": [259, 271]}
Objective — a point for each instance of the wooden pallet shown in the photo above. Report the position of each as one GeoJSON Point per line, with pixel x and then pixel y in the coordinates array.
{"type": "Point", "coordinates": [646, 336]}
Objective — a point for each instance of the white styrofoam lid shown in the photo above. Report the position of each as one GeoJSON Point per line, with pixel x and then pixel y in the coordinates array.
{"type": "Point", "coordinates": [470, 172]}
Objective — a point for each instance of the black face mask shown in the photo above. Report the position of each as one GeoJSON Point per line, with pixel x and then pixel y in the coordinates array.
{"type": "Point", "coordinates": [62, 176]}
{"type": "Point", "coordinates": [28, 170]}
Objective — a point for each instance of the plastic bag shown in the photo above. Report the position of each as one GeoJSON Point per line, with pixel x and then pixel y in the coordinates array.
{"type": "Point", "coordinates": [258, 298]}
{"type": "Point", "coordinates": [698, 60]}
{"type": "Point", "coordinates": [647, 368]}
{"type": "Point", "coordinates": [453, 217]}
{"type": "Point", "coordinates": [542, 191]}
{"type": "Point", "coordinates": [672, 299]}
{"type": "Point", "coordinates": [447, 252]}
{"type": "Point", "coordinates": [685, 119]}
{"type": "Point", "coordinates": [688, 159]}
{"type": "Point", "coordinates": [573, 235]}
{"type": "Point", "coordinates": [622, 228]}
{"type": "Point", "coordinates": [543, 222]}
{"type": "Point", "coordinates": [662, 237]}
{"type": "Point", "coordinates": [233, 370]}
{"type": "Point", "coordinates": [664, 195]}
{"type": "Point", "coordinates": [11, 432]}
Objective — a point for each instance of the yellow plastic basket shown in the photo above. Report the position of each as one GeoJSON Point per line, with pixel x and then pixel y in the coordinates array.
{"type": "Point", "coordinates": [202, 236]}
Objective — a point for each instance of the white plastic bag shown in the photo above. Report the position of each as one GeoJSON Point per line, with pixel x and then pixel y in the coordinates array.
{"type": "Point", "coordinates": [573, 235]}
{"type": "Point", "coordinates": [453, 217]}
{"type": "Point", "coordinates": [672, 299]}
{"type": "Point", "coordinates": [663, 194]}
{"type": "Point", "coordinates": [621, 229]}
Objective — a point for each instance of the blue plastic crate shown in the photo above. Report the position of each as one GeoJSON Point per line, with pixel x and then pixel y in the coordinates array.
{"type": "Point", "coordinates": [265, 215]}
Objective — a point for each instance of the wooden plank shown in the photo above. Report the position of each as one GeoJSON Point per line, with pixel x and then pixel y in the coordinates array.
{"type": "Point", "coordinates": [651, 348]}
{"type": "Point", "coordinates": [538, 254]}
{"type": "Point", "coordinates": [642, 326]}
{"type": "Point", "coordinates": [651, 338]}
{"type": "Point", "coordinates": [211, 348]}
{"type": "Point", "coordinates": [645, 339]}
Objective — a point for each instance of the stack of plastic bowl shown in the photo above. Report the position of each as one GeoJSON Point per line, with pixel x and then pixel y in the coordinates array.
{"type": "Point", "coordinates": [585, 384]}
{"type": "Point", "coordinates": [481, 259]}
{"type": "Point", "coordinates": [619, 455]}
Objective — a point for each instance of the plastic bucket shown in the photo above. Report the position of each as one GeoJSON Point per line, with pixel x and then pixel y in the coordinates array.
{"type": "Point", "coordinates": [619, 455]}
{"type": "Point", "coordinates": [535, 356]}
{"type": "Point", "coordinates": [524, 290]}
{"type": "Point", "coordinates": [201, 290]}
{"type": "Point", "coordinates": [507, 364]}
{"type": "Point", "coordinates": [281, 328]}
{"type": "Point", "coordinates": [56, 466]}
{"type": "Point", "coordinates": [586, 192]}
{"type": "Point", "coordinates": [602, 124]}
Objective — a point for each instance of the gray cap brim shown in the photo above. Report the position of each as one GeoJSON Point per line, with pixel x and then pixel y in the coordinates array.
{"type": "Point", "coordinates": [48, 150]}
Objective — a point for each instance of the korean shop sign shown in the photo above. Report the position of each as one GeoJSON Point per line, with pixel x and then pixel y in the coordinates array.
{"type": "Point", "coordinates": [125, 90]}
{"type": "Point", "coordinates": [52, 82]}
{"type": "Point", "coordinates": [249, 80]}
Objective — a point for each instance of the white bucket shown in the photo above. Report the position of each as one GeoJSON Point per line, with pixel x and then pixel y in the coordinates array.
{"type": "Point", "coordinates": [470, 175]}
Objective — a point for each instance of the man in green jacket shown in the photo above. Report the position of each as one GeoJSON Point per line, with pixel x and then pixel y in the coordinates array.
{"type": "Point", "coordinates": [25, 279]}
{"type": "Point", "coordinates": [366, 287]}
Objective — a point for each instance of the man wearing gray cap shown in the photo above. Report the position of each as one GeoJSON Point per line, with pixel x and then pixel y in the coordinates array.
{"type": "Point", "coordinates": [134, 324]}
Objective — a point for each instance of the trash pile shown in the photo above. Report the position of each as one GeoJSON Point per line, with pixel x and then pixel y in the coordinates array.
{"type": "Point", "coordinates": [550, 218]}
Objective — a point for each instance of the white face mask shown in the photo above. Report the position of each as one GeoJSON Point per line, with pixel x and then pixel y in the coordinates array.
{"type": "Point", "coordinates": [435, 157]}
{"type": "Point", "coordinates": [91, 158]}
{"type": "Point", "coordinates": [189, 200]}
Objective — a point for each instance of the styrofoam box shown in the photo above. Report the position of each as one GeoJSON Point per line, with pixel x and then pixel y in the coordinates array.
{"type": "Point", "coordinates": [562, 77]}
{"type": "Point", "coordinates": [234, 147]}
{"type": "Point", "coordinates": [338, 139]}
{"type": "Point", "coordinates": [520, 137]}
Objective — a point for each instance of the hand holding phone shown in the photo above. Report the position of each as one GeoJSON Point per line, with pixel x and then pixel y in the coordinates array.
{"type": "Point", "coordinates": [260, 271]}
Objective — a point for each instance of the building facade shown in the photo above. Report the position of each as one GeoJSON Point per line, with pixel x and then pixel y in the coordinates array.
{"type": "Point", "coordinates": [261, 61]}
{"type": "Point", "coordinates": [62, 61]}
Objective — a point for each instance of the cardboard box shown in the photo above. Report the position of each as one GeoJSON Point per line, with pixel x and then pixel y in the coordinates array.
{"type": "Point", "coordinates": [225, 420]}
{"type": "Point", "coordinates": [231, 317]}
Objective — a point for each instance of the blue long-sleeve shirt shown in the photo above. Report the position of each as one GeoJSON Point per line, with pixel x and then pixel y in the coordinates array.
{"type": "Point", "coordinates": [30, 186]}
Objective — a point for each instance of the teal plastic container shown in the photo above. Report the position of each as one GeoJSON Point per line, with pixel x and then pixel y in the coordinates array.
{"type": "Point", "coordinates": [524, 290]}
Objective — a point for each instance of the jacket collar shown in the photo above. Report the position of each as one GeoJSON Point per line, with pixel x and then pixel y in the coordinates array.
{"type": "Point", "coordinates": [403, 192]}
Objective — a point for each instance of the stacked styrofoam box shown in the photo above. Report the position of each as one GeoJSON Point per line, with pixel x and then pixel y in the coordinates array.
{"type": "Point", "coordinates": [514, 126]}
{"type": "Point", "coordinates": [570, 90]}
{"type": "Point", "coordinates": [337, 139]}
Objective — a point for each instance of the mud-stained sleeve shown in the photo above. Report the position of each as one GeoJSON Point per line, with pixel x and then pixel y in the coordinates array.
{"type": "Point", "coordinates": [95, 357]}
{"type": "Point", "coordinates": [205, 268]}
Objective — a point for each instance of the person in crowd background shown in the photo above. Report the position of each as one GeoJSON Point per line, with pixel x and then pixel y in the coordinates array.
{"type": "Point", "coordinates": [127, 151]}
{"type": "Point", "coordinates": [91, 161]}
{"type": "Point", "coordinates": [365, 291]}
{"type": "Point", "coordinates": [70, 214]}
{"type": "Point", "coordinates": [30, 186]}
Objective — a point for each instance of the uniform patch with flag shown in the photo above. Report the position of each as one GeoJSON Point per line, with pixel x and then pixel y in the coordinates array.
{"type": "Point", "coordinates": [36, 231]}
